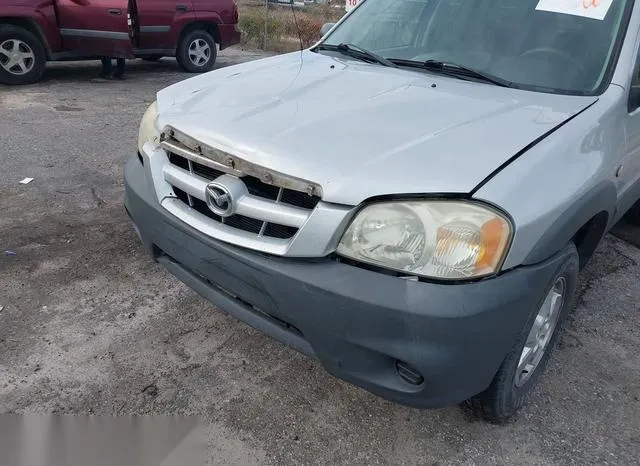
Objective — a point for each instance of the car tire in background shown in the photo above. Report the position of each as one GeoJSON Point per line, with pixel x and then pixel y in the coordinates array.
{"type": "Point", "coordinates": [523, 366]}
{"type": "Point", "coordinates": [633, 216]}
{"type": "Point", "coordinates": [22, 56]}
{"type": "Point", "coordinates": [197, 51]}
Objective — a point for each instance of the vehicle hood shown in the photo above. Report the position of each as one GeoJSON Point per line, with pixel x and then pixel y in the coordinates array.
{"type": "Point", "coordinates": [361, 130]}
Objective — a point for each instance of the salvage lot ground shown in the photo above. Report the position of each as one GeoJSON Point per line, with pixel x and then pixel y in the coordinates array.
{"type": "Point", "coordinates": [90, 325]}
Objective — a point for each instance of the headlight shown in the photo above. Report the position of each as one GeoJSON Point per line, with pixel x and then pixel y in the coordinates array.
{"type": "Point", "coordinates": [439, 239]}
{"type": "Point", "coordinates": [147, 131]}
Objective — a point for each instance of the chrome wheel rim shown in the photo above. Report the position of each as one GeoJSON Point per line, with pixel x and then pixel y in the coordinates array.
{"type": "Point", "coordinates": [541, 332]}
{"type": "Point", "coordinates": [16, 57]}
{"type": "Point", "coordinates": [199, 52]}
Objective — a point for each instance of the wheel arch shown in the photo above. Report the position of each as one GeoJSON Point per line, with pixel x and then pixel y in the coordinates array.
{"type": "Point", "coordinates": [31, 26]}
{"type": "Point", "coordinates": [210, 26]}
{"type": "Point", "coordinates": [588, 237]}
{"type": "Point", "coordinates": [585, 222]}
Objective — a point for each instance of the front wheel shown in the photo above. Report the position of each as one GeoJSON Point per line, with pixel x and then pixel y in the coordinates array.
{"type": "Point", "coordinates": [22, 56]}
{"type": "Point", "coordinates": [197, 52]}
{"type": "Point", "coordinates": [522, 368]}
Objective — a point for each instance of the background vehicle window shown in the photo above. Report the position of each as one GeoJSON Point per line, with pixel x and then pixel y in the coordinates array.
{"type": "Point", "coordinates": [634, 92]}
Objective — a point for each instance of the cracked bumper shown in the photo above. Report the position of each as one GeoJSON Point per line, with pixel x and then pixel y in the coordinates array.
{"type": "Point", "coordinates": [363, 326]}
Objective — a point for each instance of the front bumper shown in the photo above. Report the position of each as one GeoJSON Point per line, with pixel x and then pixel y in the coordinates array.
{"type": "Point", "coordinates": [364, 327]}
{"type": "Point", "coordinates": [230, 34]}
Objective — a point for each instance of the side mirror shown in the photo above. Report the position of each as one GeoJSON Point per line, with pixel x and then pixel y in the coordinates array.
{"type": "Point", "coordinates": [326, 27]}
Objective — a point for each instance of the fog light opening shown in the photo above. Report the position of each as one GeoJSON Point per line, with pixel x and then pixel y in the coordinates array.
{"type": "Point", "coordinates": [408, 373]}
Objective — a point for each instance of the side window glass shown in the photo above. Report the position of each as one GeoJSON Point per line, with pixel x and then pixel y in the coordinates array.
{"type": "Point", "coordinates": [634, 92]}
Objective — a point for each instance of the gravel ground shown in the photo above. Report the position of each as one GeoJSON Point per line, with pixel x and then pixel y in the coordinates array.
{"type": "Point", "coordinates": [89, 324]}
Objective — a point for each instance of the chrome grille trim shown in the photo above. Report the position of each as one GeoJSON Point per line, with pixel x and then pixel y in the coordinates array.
{"type": "Point", "coordinates": [185, 152]}
{"type": "Point", "coordinates": [232, 164]}
{"type": "Point", "coordinates": [191, 172]}
{"type": "Point", "coordinates": [247, 205]}
{"type": "Point", "coordinates": [224, 232]}
{"type": "Point", "coordinates": [318, 236]}
{"type": "Point", "coordinates": [191, 184]}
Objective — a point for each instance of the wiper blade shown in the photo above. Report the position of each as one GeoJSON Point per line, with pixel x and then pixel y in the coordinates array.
{"type": "Point", "coordinates": [357, 52]}
{"type": "Point", "coordinates": [453, 69]}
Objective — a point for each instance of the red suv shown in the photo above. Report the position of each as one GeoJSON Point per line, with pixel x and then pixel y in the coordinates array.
{"type": "Point", "coordinates": [33, 32]}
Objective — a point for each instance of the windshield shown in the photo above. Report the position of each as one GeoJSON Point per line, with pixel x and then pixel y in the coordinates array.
{"type": "Point", "coordinates": [563, 46]}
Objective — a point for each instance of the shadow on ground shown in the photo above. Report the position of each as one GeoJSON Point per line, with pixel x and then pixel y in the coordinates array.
{"type": "Point", "coordinates": [628, 233]}
{"type": "Point", "coordinates": [90, 69]}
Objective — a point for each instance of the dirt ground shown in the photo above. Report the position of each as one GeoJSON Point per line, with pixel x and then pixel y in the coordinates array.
{"type": "Point", "coordinates": [89, 324]}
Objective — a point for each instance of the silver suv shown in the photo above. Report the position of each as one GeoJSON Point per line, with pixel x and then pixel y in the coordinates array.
{"type": "Point", "coordinates": [410, 200]}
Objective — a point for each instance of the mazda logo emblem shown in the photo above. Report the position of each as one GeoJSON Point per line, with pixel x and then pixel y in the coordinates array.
{"type": "Point", "coordinates": [219, 199]}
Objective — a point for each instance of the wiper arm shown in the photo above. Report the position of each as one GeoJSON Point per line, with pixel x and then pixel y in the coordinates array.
{"type": "Point", "coordinates": [454, 69]}
{"type": "Point", "coordinates": [357, 52]}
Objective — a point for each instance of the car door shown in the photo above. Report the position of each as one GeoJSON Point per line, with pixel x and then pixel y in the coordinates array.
{"type": "Point", "coordinates": [156, 20]}
{"type": "Point", "coordinates": [97, 27]}
{"type": "Point", "coordinates": [629, 171]}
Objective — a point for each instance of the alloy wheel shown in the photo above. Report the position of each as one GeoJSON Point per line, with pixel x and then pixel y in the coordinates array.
{"type": "Point", "coordinates": [199, 52]}
{"type": "Point", "coordinates": [16, 57]}
{"type": "Point", "coordinates": [541, 332]}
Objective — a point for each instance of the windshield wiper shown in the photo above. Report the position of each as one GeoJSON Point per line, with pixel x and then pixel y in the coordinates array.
{"type": "Point", "coordinates": [356, 52]}
{"type": "Point", "coordinates": [453, 69]}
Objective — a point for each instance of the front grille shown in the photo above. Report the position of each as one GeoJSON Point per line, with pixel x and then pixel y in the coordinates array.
{"type": "Point", "coordinates": [256, 188]}
{"type": "Point", "coordinates": [240, 222]}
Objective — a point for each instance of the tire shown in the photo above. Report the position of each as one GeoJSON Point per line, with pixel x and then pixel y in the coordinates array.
{"type": "Point", "coordinates": [152, 58]}
{"type": "Point", "coordinates": [29, 51]}
{"type": "Point", "coordinates": [512, 386]}
{"type": "Point", "coordinates": [632, 217]}
{"type": "Point", "coordinates": [201, 41]}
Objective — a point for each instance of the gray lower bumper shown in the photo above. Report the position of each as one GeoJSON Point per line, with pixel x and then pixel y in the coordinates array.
{"type": "Point", "coordinates": [361, 325]}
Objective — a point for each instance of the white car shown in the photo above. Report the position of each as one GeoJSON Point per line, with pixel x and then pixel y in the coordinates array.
{"type": "Point", "coordinates": [410, 200]}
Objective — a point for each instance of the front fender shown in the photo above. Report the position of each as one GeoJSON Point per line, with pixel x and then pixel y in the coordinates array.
{"type": "Point", "coordinates": [553, 189]}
